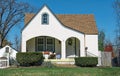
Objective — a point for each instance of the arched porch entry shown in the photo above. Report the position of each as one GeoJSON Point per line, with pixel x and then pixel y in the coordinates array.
{"type": "Point", "coordinates": [44, 43]}
{"type": "Point", "coordinates": [72, 47]}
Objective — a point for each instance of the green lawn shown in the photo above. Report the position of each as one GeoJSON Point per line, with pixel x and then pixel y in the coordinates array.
{"type": "Point", "coordinates": [60, 71]}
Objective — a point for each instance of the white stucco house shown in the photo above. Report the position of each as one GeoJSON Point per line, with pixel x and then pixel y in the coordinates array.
{"type": "Point", "coordinates": [64, 34]}
{"type": "Point", "coordinates": [12, 52]}
{"type": "Point", "coordinates": [7, 54]}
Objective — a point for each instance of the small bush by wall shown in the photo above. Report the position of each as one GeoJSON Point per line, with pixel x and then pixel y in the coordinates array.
{"type": "Point", "coordinates": [86, 61]}
{"type": "Point", "coordinates": [30, 58]}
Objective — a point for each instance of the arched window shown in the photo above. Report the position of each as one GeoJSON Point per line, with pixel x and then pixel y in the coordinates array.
{"type": "Point", "coordinates": [45, 18]}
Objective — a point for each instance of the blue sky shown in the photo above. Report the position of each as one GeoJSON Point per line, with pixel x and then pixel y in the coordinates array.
{"type": "Point", "coordinates": [102, 10]}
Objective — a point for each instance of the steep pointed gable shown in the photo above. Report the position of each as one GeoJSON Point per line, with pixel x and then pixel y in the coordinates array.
{"type": "Point", "coordinates": [30, 16]}
{"type": "Point", "coordinates": [82, 23]}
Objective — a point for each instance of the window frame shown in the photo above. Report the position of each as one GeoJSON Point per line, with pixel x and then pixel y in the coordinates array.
{"type": "Point", "coordinates": [45, 19]}
{"type": "Point", "coordinates": [46, 45]}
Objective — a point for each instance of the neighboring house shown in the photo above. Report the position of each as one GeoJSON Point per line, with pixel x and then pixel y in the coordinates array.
{"type": "Point", "coordinates": [7, 56]}
{"type": "Point", "coordinates": [7, 49]}
{"type": "Point", "coordinates": [69, 35]}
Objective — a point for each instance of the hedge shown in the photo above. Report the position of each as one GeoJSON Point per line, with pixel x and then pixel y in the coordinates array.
{"type": "Point", "coordinates": [86, 61]}
{"type": "Point", "coordinates": [29, 58]}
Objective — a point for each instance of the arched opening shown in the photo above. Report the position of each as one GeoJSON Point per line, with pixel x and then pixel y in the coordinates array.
{"type": "Point", "coordinates": [44, 43]}
{"type": "Point", "coordinates": [72, 47]}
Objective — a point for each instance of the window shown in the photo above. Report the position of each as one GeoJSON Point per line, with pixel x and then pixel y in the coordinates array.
{"type": "Point", "coordinates": [45, 44]}
{"type": "Point", "coordinates": [50, 44]}
{"type": "Point", "coordinates": [49, 41]}
{"type": "Point", "coordinates": [40, 44]}
{"type": "Point", "coordinates": [45, 18]}
{"type": "Point", "coordinates": [7, 49]}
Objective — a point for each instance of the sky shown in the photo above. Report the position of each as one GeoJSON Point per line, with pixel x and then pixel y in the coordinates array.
{"type": "Point", "coordinates": [102, 9]}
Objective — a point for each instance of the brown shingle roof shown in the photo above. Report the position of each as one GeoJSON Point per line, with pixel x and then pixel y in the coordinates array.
{"type": "Point", "coordinates": [82, 23]}
{"type": "Point", "coordinates": [28, 17]}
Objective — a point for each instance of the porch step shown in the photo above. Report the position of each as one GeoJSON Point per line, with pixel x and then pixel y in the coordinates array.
{"type": "Point", "coordinates": [61, 61]}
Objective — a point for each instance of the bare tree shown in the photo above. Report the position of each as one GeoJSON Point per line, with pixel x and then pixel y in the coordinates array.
{"type": "Point", "coordinates": [116, 7]}
{"type": "Point", "coordinates": [17, 43]}
{"type": "Point", "coordinates": [101, 40]}
{"type": "Point", "coordinates": [11, 13]}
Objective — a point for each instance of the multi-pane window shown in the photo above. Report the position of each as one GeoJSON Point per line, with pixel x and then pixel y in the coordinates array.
{"type": "Point", "coordinates": [45, 44]}
{"type": "Point", "coordinates": [50, 44]}
{"type": "Point", "coordinates": [40, 44]}
{"type": "Point", "coordinates": [45, 18]}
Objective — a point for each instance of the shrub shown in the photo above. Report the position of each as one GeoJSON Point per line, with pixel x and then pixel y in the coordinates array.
{"type": "Point", "coordinates": [29, 58]}
{"type": "Point", "coordinates": [86, 61]}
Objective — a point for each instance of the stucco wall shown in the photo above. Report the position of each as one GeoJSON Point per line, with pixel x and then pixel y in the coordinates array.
{"type": "Point", "coordinates": [12, 51]}
{"type": "Point", "coordinates": [53, 29]}
{"type": "Point", "coordinates": [92, 44]}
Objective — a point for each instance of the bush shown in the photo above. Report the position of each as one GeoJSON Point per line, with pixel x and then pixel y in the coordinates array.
{"type": "Point", "coordinates": [86, 61]}
{"type": "Point", "coordinates": [30, 58]}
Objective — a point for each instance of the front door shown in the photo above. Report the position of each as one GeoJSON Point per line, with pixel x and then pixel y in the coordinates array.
{"type": "Point", "coordinates": [45, 44]}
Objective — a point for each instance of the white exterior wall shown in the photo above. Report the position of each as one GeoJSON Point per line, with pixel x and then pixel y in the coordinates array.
{"type": "Point", "coordinates": [57, 30]}
{"type": "Point", "coordinates": [92, 44]}
{"type": "Point", "coordinates": [11, 51]}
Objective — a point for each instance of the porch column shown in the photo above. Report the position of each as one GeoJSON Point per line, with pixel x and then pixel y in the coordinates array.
{"type": "Point", "coordinates": [63, 50]}
{"type": "Point", "coordinates": [82, 49]}
{"type": "Point", "coordinates": [23, 46]}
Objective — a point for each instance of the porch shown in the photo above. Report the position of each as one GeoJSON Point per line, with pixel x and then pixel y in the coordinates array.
{"type": "Point", "coordinates": [65, 49]}
{"type": "Point", "coordinates": [61, 61]}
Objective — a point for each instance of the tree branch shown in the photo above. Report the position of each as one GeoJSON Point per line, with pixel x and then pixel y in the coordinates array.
{"type": "Point", "coordinates": [11, 13]}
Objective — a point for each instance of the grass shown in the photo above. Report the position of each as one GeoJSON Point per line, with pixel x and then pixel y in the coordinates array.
{"type": "Point", "coordinates": [60, 71]}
